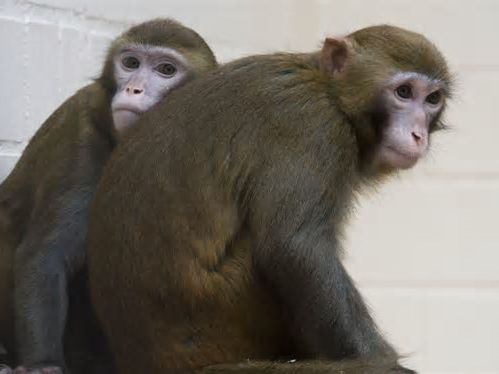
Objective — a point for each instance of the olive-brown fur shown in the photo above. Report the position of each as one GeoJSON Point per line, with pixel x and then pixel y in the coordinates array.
{"type": "Point", "coordinates": [216, 237]}
{"type": "Point", "coordinates": [44, 210]}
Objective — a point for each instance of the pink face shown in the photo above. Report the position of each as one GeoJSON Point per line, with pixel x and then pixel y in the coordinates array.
{"type": "Point", "coordinates": [412, 102]}
{"type": "Point", "coordinates": [144, 75]}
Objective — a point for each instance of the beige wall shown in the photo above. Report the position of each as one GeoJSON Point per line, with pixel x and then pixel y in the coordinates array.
{"type": "Point", "coordinates": [425, 248]}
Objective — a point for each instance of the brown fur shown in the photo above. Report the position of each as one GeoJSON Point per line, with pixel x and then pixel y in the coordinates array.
{"type": "Point", "coordinates": [215, 231]}
{"type": "Point", "coordinates": [44, 207]}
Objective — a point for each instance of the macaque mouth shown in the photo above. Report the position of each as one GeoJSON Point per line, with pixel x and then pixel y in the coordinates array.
{"type": "Point", "coordinates": [129, 109]}
{"type": "Point", "coordinates": [404, 152]}
{"type": "Point", "coordinates": [403, 158]}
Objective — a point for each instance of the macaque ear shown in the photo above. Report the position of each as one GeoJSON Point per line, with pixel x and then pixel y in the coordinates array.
{"type": "Point", "coordinates": [333, 55]}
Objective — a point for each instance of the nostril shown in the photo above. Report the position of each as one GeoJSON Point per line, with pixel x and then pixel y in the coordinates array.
{"type": "Point", "coordinates": [133, 90]}
{"type": "Point", "coordinates": [417, 136]}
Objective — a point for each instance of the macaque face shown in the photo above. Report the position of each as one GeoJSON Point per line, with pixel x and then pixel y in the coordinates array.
{"type": "Point", "coordinates": [412, 102]}
{"type": "Point", "coordinates": [144, 75]}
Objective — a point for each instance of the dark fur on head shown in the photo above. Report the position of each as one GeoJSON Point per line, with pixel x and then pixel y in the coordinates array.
{"type": "Point", "coordinates": [376, 53]}
{"type": "Point", "coordinates": [160, 32]}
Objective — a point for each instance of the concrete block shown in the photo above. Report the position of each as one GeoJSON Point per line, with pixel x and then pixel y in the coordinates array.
{"type": "Point", "coordinates": [435, 232]}
{"type": "Point", "coordinates": [13, 97]}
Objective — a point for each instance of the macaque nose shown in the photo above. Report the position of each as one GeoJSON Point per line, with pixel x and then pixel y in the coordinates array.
{"type": "Point", "coordinates": [134, 90]}
{"type": "Point", "coordinates": [417, 136]}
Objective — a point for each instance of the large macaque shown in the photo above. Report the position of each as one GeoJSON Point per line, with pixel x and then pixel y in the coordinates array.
{"type": "Point", "coordinates": [44, 201]}
{"type": "Point", "coordinates": [215, 231]}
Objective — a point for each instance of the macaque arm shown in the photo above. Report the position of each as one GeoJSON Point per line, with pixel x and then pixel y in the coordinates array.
{"type": "Point", "coordinates": [300, 255]}
{"type": "Point", "coordinates": [44, 262]}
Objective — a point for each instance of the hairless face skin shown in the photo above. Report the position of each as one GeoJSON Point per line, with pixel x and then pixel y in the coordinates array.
{"type": "Point", "coordinates": [143, 76]}
{"type": "Point", "coordinates": [413, 102]}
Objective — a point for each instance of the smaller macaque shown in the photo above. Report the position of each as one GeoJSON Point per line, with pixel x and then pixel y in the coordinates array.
{"type": "Point", "coordinates": [44, 202]}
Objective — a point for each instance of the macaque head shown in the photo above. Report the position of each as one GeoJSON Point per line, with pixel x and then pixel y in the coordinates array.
{"type": "Point", "coordinates": [395, 103]}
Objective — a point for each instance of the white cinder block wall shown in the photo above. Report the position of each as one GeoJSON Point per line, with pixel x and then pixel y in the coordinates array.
{"type": "Point", "coordinates": [425, 249]}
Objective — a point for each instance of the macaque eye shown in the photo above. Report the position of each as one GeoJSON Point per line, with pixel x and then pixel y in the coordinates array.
{"type": "Point", "coordinates": [434, 97]}
{"type": "Point", "coordinates": [167, 69]}
{"type": "Point", "coordinates": [404, 91]}
{"type": "Point", "coordinates": [130, 62]}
